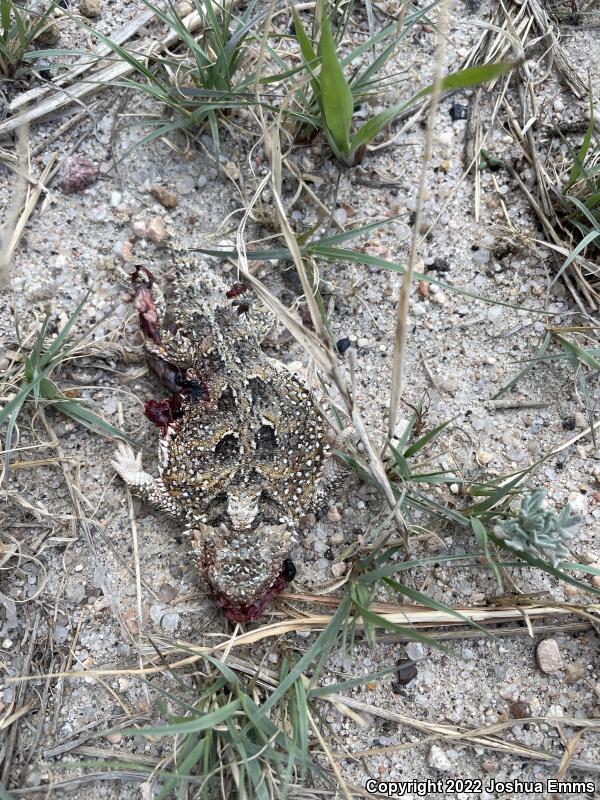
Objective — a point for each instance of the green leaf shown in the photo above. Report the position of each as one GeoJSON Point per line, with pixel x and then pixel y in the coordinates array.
{"type": "Point", "coordinates": [464, 79]}
{"type": "Point", "coordinates": [432, 434]}
{"type": "Point", "coordinates": [578, 164]}
{"type": "Point", "coordinates": [482, 538]}
{"type": "Point", "coordinates": [430, 602]}
{"type": "Point", "coordinates": [336, 97]}
{"type": "Point", "coordinates": [201, 723]}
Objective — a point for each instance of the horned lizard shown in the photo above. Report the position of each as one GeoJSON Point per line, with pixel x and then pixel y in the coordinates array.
{"type": "Point", "coordinates": [241, 442]}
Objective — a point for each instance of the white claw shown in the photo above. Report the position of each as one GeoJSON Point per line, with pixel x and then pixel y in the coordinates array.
{"type": "Point", "coordinates": [126, 462]}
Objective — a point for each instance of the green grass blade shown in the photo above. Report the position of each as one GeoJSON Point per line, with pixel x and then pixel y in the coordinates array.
{"type": "Point", "coordinates": [4, 794]}
{"type": "Point", "coordinates": [342, 254]}
{"type": "Point", "coordinates": [337, 688]}
{"type": "Point", "coordinates": [89, 419]}
{"type": "Point", "coordinates": [578, 163]}
{"type": "Point", "coordinates": [201, 723]}
{"type": "Point", "coordinates": [376, 620]}
{"type": "Point", "coordinates": [430, 602]}
{"type": "Point", "coordinates": [527, 368]}
{"type": "Point", "coordinates": [428, 437]}
{"type": "Point", "coordinates": [482, 538]}
{"type": "Point", "coordinates": [464, 79]}
{"type": "Point", "coordinates": [322, 647]}
{"type": "Point", "coordinates": [336, 97]}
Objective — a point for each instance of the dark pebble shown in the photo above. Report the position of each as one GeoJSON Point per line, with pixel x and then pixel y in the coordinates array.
{"type": "Point", "coordinates": [458, 111]}
{"type": "Point", "coordinates": [407, 672]}
{"type": "Point", "coordinates": [342, 345]}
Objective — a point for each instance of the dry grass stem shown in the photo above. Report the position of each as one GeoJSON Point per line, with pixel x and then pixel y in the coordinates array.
{"type": "Point", "coordinates": [401, 331]}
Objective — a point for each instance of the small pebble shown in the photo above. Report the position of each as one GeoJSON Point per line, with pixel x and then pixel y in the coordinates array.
{"type": "Point", "coordinates": [548, 656]}
{"type": "Point", "coordinates": [155, 230]}
{"type": "Point", "coordinates": [342, 345]}
{"type": "Point", "coordinates": [407, 672]}
{"type": "Point", "coordinates": [340, 216]}
{"type": "Point", "coordinates": [77, 174]}
{"type": "Point", "coordinates": [338, 568]}
{"type": "Point", "coordinates": [520, 709]}
{"type": "Point", "coordinates": [574, 673]}
{"type": "Point", "coordinates": [415, 651]}
{"type": "Point", "coordinates": [90, 8]}
{"type": "Point", "coordinates": [164, 196]}
{"type": "Point", "coordinates": [437, 759]}
{"type": "Point", "coordinates": [458, 111]}
{"type": "Point", "coordinates": [170, 622]}
{"type": "Point", "coordinates": [48, 36]}
{"type": "Point", "coordinates": [333, 515]}
{"type": "Point", "coordinates": [495, 312]}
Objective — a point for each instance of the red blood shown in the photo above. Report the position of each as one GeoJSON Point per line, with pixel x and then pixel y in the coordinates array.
{"type": "Point", "coordinates": [144, 303]}
{"type": "Point", "coordinates": [236, 290]}
{"type": "Point", "coordinates": [252, 611]}
{"type": "Point", "coordinates": [164, 412]}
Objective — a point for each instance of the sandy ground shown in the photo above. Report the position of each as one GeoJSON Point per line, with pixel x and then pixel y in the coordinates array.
{"type": "Point", "coordinates": [75, 595]}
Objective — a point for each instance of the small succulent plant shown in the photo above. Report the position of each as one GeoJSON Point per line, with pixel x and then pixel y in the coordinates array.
{"type": "Point", "coordinates": [537, 531]}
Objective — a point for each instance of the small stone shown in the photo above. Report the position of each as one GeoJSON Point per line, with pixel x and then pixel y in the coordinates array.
{"type": "Point", "coordinates": [407, 672]}
{"type": "Point", "coordinates": [484, 457]}
{"type": "Point", "coordinates": [124, 250]}
{"type": "Point", "coordinates": [596, 581]}
{"type": "Point", "coordinates": [580, 420]}
{"type": "Point", "coordinates": [138, 228]}
{"type": "Point", "coordinates": [415, 651]}
{"type": "Point", "coordinates": [574, 673]}
{"type": "Point", "coordinates": [494, 313]}
{"type": "Point", "coordinates": [337, 538]}
{"type": "Point", "coordinates": [77, 174]}
{"type": "Point", "coordinates": [342, 345]}
{"type": "Point", "coordinates": [48, 36]}
{"type": "Point", "coordinates": [232, 169]}
{"type": "Point", "coordinates": [458, 111]}
{"type": "Point", "coordinates": [167, 593]}
{"type": "Point", "coordinates": [170, 622]}
{"type": "Point", "coordinates": [186, 184]}
{"type": "Point", "coordinates": [548, 656]}
{"type": "Point", "coordinates": [184, 8]}
{"type": "Point", "coordinates": [155, 230]}
{"type": "Point", "coordinates": [333, 515]}
{"type": "Point", "coordinates": [90, 8]}
{"type": "Point", "coordinates": [437, 759]}
{"type": "Point", "coordinates": [419, 309]}
{"type": "Point", "coordinates": [165, 197]}
{"type": "Point", "coordinates": [439, 299]}
{"type": "Point", "coordinates": [481, 256]}
{"type": "Point", "coordinates": [423, 288]}
{"type": "Point", "coordinates": [75, 592]}
{"type": "Point", "coordinates": [520, 709]}
{"type": "Point", "coordinates": [340, 216]}
{"type": "Point", "coordinates": [114, 738]}
{"type": "Point", "coordinates": [338, 568]}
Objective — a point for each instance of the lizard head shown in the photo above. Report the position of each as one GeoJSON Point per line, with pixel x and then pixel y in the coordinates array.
{"type": "Point", "coordinates": [244, 569]}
